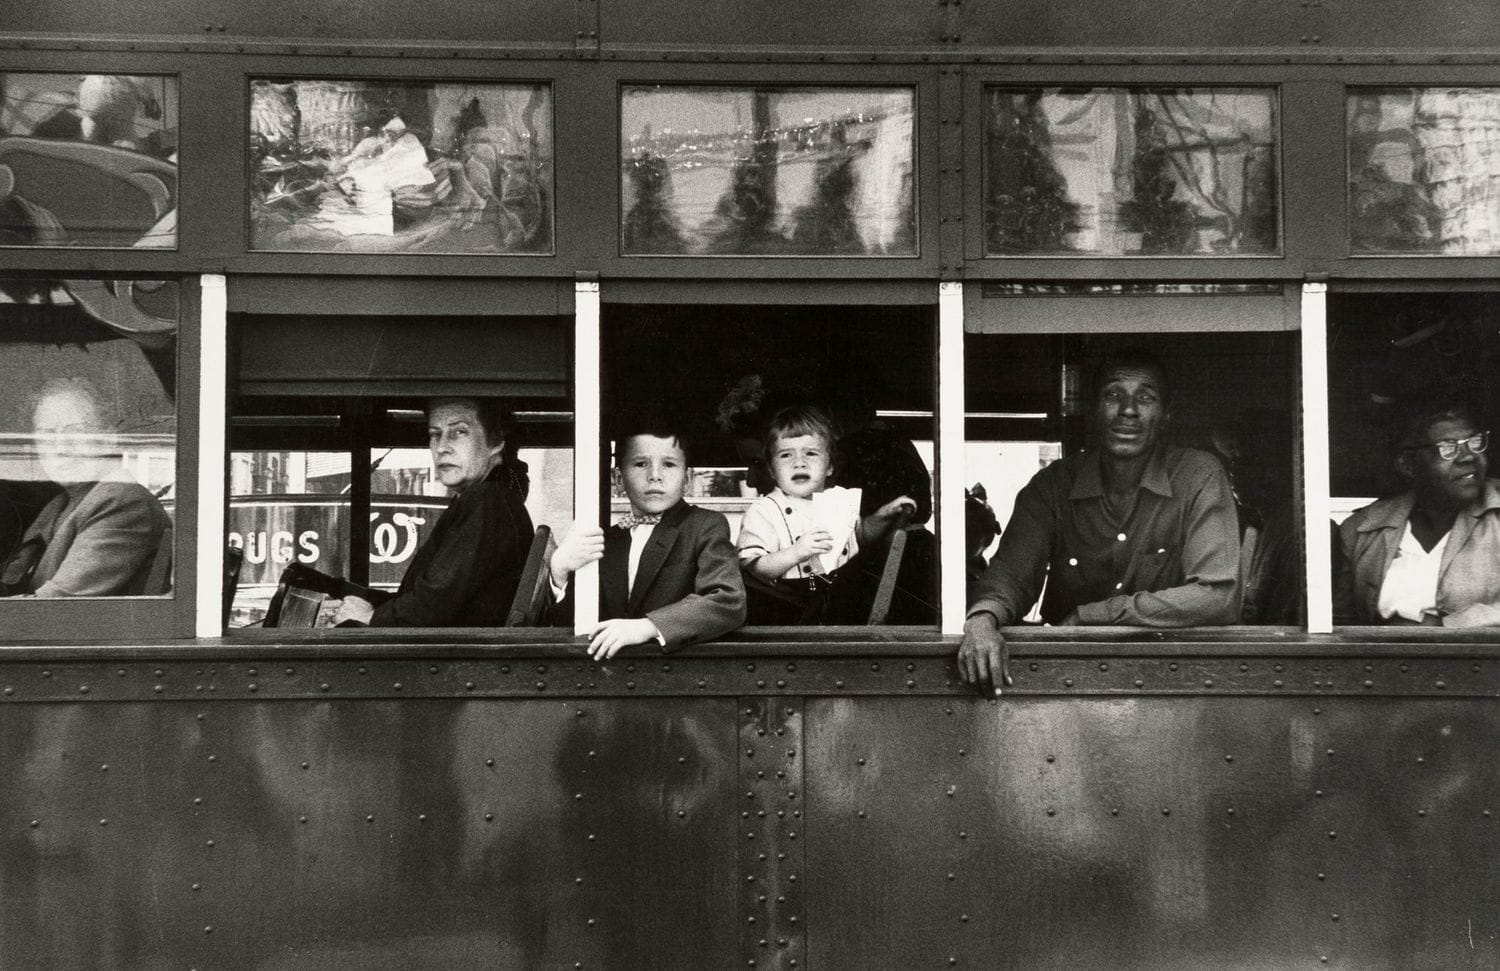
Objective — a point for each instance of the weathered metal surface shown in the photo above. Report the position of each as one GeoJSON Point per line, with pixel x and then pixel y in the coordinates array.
{"type": "Point", "coordinates": [1153, 833]}
{"type": "Point", "coordinates": [925, 673]}
{"type": "Point", "coordinates": [510, 826]}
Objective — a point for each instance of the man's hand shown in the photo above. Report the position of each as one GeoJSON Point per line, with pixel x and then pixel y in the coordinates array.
{"type": "Point", "coordinates": [983, 660]}
{"type": "Point", "coordinates": [583, 545]}
{"type": "Point", "coordinates": [611, 635]}
{"type": "Point", "coordinates": [356, 609]}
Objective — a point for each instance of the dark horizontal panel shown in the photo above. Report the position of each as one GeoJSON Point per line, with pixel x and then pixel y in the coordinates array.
{"type": "Point", "coordinates": [464, 20]}
{"type": "Point", "coordinates": [390, 296]}
{"type": "Point", "coordinates": [386, 356]}
{"type": "Point", "coordinates": [770, 23]}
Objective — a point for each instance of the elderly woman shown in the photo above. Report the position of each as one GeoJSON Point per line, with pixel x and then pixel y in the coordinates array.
{"type": "Point", "coordinates": [104, 535]}
{"type": "Point", "coordinates": [465, 574]}
{"type": "Point", "coordinates": [1430, 555]}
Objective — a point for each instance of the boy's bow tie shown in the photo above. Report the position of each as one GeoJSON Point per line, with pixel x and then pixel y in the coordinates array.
{"type": "Point", "coordinates": [632, 521]}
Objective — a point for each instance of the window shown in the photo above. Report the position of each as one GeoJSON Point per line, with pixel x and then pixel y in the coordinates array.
{"type": "Point", "coordinates": [726, 374]}
{"type": "Point", "coordinates": [1422, 165]}
{"type": "Point", "coordinates": [1215, 407]}
{"type": "Point", "coordinates": [718, 171]}
{"type": "Point", "coordinates": [1415, 529]}
{"type": "Point", "coordinates": [1130, 172]}
{"type": "Point", "coordinates": [335, 475]}
{"type": "Point", "coordinates": [89, 160]}
{"type": "Point", "coordinates": [88, 419]}
{"type": "Point", "coordinates": [368, 166]}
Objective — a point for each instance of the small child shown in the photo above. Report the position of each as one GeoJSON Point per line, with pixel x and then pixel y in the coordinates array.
{"type": "Point", "coordinates": [668, 572]}
{"type": "Point", "coordinates": [804, 528]}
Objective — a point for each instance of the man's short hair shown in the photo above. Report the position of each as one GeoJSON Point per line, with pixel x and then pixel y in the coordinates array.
{"type": "Point", "coordinates": [796, 421]}
{"type": "Point", "coordinates": [1416, 412]}
{"type": "Point", "coordinates": [656, 424]}
{"type": "Point", "coordinates": [1132, 358]}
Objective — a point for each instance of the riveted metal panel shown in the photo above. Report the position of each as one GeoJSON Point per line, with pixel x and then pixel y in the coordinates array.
{"type": "Point", "coordinates": [1152, 833]}
{"type": "Point", "coordinates": [771, 854]}
{"type": "Point", "coordinates": [370, 834]}
{"type": "Point", "coordinates": [925, 673]}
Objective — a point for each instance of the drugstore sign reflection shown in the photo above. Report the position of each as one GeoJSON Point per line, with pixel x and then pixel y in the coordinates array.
{"type": "Point", "coordinates": [274, 531]}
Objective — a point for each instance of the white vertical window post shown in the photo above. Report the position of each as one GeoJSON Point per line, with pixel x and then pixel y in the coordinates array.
{"type": "Point", "coordinates": [587, 434]}
{"type": "Point", "coordinates": [1315, 457]}
{"type": "Point", "coordinates": [950, 455]}
{"type": "Point", "coordinates": [213, 330]}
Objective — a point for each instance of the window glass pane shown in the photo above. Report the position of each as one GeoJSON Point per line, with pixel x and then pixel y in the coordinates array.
{"type": "Point", "coordinates": [767, 172]}
{"type": "Point", "coordinates": [1207, 534]}
{"type": "Point", "coordinates": [848, 390]}
{"type": "Point", "coordinates": [88, 435]}
{"type": "Point", "coordinates": [400, 167]}
{"type": "Point", "coordinates": [1424, 167]}
{"type": "Point", "coordinates": [88, 160]}
{"type": "Point", "coordinates": [1410, 379]}
{"type": "Point", "coordinates": [285, 507]}
{"type": "Point", "coordinates": [1131, 172]}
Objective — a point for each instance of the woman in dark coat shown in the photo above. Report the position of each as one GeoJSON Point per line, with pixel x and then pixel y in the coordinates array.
{"type": "Point", "coordinates": [466, 573]}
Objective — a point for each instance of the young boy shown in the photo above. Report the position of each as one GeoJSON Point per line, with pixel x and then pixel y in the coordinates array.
{"type": "Point", "coordinates": [668, 573]}
{"type": "Point", "coordinates": [804, 528]}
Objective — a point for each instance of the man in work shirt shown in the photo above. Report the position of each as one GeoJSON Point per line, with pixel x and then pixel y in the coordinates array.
{"type": "Point", "coordinates": [1131, 531]}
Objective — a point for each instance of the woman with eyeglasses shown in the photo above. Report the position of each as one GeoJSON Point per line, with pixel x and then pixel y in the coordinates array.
{"type": "Point", "coordinates": [1430, 555]}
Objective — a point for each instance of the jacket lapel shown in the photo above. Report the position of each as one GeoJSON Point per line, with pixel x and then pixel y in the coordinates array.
{"type": "Point", "coordinates": [613, 573]}
{"type": "Point", "coordinates": [663, 538]}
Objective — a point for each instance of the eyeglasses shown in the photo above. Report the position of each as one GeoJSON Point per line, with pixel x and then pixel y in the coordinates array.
{"type": "Point", "coordinates": [1448, 448]}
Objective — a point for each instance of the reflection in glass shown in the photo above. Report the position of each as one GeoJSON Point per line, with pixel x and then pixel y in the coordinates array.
{"type": "Point", "coordinates": [87, 437]}
{"type": "Point", "coordinates": [88, 160]}
{"type": "Point", "coordinates": [1424, 170]}
{"type": "Point", "coordinates": [387, 167]}
{"type": "Point", "coordinates": [767, 172]}
{"type": "Point", "coordinates": [1130, 172]}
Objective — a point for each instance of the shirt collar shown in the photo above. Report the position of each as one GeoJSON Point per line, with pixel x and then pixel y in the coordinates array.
{"type": "Point", "coordinates": [1089, 483]}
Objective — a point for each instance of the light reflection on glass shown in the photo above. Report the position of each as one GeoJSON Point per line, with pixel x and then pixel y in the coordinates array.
{"type": "Point", "coordinates": [1130, 172]}
{"type": "Point", "coordinates": [767, 172]}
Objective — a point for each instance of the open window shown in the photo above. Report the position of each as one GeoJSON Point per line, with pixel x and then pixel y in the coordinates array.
{"type": "Point", "coordinates": [724, 372]}
{"type": "Point", "coordinates": [1230, 373]}
{"type": "Point", "coordinates": [1412, 398]}
{"type": "Point", "coordinates": [332, 467]}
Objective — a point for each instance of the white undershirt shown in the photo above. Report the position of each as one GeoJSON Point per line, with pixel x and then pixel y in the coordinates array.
{"type": "Point", "coordinates": [1410, 586]}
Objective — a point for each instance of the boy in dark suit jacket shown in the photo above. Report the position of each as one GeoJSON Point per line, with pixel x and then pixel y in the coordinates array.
{"type": "Point", "coordinates": [668, 572]}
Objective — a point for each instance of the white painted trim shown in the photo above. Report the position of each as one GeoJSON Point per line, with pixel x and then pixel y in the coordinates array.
{"type": "Point", "coordinates": [213, 386]}
{"type": "Point", "coordinates": [1315, 442]}
{"type": "Point", "coordinates": [587, 435]}
{"type": "Point", "coordinates": [950, 455]}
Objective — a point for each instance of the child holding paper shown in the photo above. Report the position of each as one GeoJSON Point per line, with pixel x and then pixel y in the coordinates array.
{"type": "Point", "coordinates": [804, 528]}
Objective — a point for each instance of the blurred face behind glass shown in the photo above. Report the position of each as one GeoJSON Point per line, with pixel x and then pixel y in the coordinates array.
{"type": "Point", "coordinates": [653, 472]}
{"type": "Point", "coordinates": [1131, 411]}
{"type": "Point", "coordinates": [1441, 483]}
{"type": "Point", "coordinates": [800, 464]}
{"type": "Point", "coordinates": [72, 443]}
{"type": "Point", "coordinates": [461, 451]}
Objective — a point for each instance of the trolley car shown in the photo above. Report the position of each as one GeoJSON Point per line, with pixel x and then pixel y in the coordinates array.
{"type": "Point", "coordinates": [263, 235]}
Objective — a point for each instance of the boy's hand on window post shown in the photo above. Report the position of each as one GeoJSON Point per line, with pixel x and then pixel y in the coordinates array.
{"type": "Point", "coordinates": [583, 545]}
{"type": "Point", "coordinates": [611, 635]}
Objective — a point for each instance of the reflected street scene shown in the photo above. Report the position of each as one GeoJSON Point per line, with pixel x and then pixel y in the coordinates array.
{"type": "Point", "coordinates": [1131, 172]}
{"type": "Point", "coordinates": [385, 167]}
{"type": "Point", "coordinates": [88, 160]}
{"type": "Point", "coordinates": [711, 171]}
